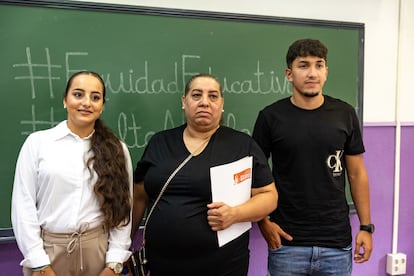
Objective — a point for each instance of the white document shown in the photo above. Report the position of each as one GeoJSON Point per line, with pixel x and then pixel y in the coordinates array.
{"type": "Point", "coordinates": [231, 184]}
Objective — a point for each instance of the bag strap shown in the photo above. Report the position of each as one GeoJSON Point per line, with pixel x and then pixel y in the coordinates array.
{"type": "Point", "coordinates": [166, 184]}
{"type": "Point", "coordinates": [162, 192]}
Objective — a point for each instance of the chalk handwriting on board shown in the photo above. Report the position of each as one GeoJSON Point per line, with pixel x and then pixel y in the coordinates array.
{"type": "Point", "coordinates": [37, 124]}
{"type": "Point", "coordinates": [128, 128]}
{"type": "Point", "coordinates": [129, 131]}
{"type": "Point", "coordinates": [260, 82]}
{"type": "Point", "coordinates": [32, 76]}
{"type": "Point", "coordinates": [130, 83]}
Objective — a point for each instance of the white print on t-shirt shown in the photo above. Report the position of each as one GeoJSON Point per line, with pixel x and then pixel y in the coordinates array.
{"type": "Point", "coordinates": [334, 162]}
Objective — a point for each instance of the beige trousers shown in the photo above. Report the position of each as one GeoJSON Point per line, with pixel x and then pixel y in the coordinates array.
{"type": "Point", "coordinates": [77, 254]}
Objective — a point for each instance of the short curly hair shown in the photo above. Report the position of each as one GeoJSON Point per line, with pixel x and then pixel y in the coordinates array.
{"type": "Point", "coordinates": [306, 47]}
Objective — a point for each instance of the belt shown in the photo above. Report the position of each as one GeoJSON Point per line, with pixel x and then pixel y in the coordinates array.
{"type": "Point", "coordinates": [73, 240]}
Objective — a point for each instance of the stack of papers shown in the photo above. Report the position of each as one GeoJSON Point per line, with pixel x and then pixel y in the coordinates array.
{"type": "Point", "coordinates": [231, 183]}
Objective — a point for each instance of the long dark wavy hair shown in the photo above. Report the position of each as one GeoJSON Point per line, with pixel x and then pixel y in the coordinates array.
{"type": "Point", "coordinates": [109, 162]}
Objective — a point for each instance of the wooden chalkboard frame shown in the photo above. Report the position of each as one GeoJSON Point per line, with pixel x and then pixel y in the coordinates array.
{"type": "Point", "coordinates": [6, 234]}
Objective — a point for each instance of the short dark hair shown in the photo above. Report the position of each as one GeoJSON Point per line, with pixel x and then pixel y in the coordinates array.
{"type": "Point", "coordinates": [306, 47]}
{"type": "Point", "coordinates": [201, 75]}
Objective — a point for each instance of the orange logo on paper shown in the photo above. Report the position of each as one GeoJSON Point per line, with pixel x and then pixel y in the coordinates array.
{"type": "Point", "coordinates": [242, 176]}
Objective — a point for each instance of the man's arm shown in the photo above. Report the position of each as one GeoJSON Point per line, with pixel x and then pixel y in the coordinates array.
{"type": "Point", "coordinates": [358, 181]}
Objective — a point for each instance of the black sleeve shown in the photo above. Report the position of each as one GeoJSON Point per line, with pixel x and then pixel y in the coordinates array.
{"type": "Point", "coordinates": [354, 144]}
{"type": "Point", "coordinates": [262, 175]}
{"type": "Point", "coordinates": [146, 161]}
{"type": "Point", "coordinates": [261, 134]}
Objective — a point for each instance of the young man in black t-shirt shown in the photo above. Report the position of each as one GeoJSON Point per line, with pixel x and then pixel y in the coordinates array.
{"type": "Point", "coordinates": [315, 142]}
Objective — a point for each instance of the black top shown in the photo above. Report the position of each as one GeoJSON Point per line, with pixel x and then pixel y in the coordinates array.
{"type": "Point", "coordinates": [308, 150]}
{"type": "Point", "coordinates": [178, 231]}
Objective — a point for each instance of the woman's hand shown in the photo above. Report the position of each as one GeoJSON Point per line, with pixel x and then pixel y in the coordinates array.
{"type": "Point", "coordinates": [220, 216]}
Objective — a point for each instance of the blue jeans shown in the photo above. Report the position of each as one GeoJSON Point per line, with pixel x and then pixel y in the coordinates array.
{"type": "Point", "coordinates": [310, 260]}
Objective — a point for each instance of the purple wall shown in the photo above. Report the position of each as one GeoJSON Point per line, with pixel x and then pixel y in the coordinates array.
{"type": "Point", "coordinates": [379, 160]}
{"type": "Point", "coordinates": [406, 212]}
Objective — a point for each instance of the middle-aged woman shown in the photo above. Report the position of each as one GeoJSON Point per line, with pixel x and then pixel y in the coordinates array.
{"type": "Point", "coordinates": [72, 192]}
{"type": "Point", "coordinates": [181, 234]}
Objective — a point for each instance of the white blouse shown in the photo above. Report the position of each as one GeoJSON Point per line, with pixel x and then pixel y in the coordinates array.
{"type": "Point", "coordinates": [53, 190]}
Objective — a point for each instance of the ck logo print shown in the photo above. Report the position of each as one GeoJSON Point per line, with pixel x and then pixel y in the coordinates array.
{"type": "Point", "coordinates": [334, 163]}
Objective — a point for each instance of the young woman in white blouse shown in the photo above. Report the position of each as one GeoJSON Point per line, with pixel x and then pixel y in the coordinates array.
{"type": "Point", "coordinates": [71, 201]}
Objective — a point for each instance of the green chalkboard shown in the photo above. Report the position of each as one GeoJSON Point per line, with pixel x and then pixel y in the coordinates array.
{"type": "Point", "coordinates": [145, 55]}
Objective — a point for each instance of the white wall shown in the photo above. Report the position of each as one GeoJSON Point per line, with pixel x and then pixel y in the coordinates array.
{"type": "Point", "coordinates": [382, 37]}
{"type": "Point", "coordinates": [406, 62]}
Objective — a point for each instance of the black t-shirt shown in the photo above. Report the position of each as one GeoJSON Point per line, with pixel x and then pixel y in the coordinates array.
{"type": "Point", "coordinates": [178, 229]}
{"type": "Point", "coordinates": [308, 149]}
